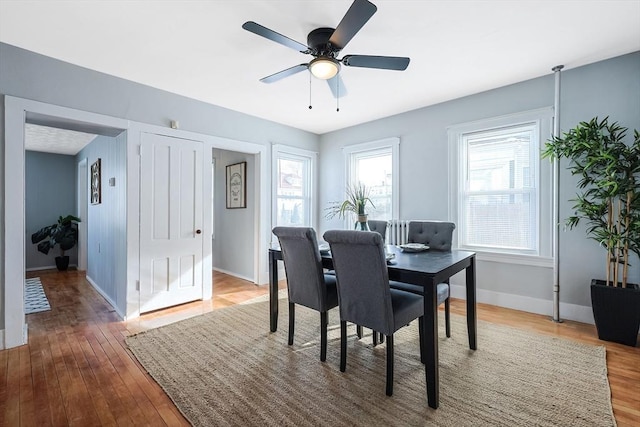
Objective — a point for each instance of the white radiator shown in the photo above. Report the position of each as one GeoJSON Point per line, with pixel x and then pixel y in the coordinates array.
{"type": "Point", "coordinates": [397, 231]}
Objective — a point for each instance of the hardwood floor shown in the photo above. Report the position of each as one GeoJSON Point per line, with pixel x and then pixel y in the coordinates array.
{"type": "Point", "coordinates": [76, 369]}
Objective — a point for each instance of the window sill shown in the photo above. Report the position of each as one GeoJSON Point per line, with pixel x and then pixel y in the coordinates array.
{"type": "Point", "coordinates": [535, 261]}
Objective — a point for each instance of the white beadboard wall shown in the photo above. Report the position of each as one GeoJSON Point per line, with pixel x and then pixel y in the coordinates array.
{"type": "Point", "coordinates": [106, 222]}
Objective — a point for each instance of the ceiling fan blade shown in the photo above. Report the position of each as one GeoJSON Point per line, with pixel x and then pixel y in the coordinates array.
{"type": "Point", "coordinates": [355, 18]}
{"type": "Point", "coordinates": [272, 35]}
{"type": "Point", "coordinates": [337, 86]}
{"type": "Point", "coordinates": [382, 62]}
{"type": "Point", "coordinates": [284, 73]}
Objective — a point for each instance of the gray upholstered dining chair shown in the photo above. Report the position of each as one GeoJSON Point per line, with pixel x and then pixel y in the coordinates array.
{"type": "Point", "coordinates": [307, 284]}
{"type": "Point", "coordinates": [438, 235]}
{"type": "Point", "coordinates": [364, 295]}
{"type": "Point", "coordinates": [378, 226]}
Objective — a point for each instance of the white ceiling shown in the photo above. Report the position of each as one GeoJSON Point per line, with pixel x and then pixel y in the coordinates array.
{"type": "Point", "coordinates": [54, 140]}
{"type": "Point", "coordinates": [198, 48]}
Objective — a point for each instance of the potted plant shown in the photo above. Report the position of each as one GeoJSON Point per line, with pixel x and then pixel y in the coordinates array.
{"type": "Point", "coordinates": [64, 233]}
{"type": "Point", "coordinates": [609, 202]}
{"type": "Point", "coordinates": [356, 203]}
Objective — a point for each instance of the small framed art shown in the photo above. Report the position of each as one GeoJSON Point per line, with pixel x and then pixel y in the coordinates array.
{"type": "Point", "coordinates": [96, 190]}
{"type": "Point", "coordinates": [237, 185]}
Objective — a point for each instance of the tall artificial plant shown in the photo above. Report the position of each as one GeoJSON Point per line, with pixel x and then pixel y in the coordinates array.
{"type": "Point", "coordinates": [609, 196]}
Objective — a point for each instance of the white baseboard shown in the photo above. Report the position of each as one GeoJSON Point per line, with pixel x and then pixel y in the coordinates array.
{"type": "Point", "coordinates": [106, 297]}
{"type": "Point", "coordinates": [231, 273]}
{"type": "Point", "coordinates": [575, 312]}
{"type": "Point", "coordinates": [48, 267]}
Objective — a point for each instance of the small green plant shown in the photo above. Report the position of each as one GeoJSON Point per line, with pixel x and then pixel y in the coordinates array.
{"type": "Point", "coordinates": [64, 233]}
{"type": "Point", "coordinates": [356, 203]}
{"type": "Point", "coordinates": [609, 200]}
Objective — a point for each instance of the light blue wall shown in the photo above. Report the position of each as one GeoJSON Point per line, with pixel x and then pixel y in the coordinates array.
{"type": "Point", "coordinates": [50, 192]}
{"type": "Point", "coordinates": [107, 221]}
{"type": "Point", "coordinates": [610, 87]}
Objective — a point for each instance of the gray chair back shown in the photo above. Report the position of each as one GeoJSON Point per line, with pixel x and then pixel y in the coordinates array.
{"type": "Point", "coordinates": [303, 266]}
{"type": "Point", "coordinates": [364, 296]}
{"type": "Point", "coordinates": [378, 226]}
{"type": "Point", "coordinates": [438, 235]}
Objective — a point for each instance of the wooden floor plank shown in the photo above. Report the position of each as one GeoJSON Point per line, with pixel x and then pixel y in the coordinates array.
{"type": "Point", "coordinates": [77, 370]}
{"type": "Point", "coordinates": [12, 408]}
{"type": "Point", "coordinates": [54, 392]}
{"type": "Point", "coordinates": [39, 386]}
{"type": "Point", "coordinates": [4, 361]}
{"type": "Point", "coordinates": [98, 398]}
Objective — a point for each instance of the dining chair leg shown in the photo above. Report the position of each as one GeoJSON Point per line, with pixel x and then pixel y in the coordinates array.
{"type": "Point", "coordinates": [292, 319]}
{"type": "Point", "coordinates": [447, 320]}
{"type": "Point", "coordinates": [323, 335]}
{"type": "Point", "coordinates": [421, 338]}
{"type": "Point", "coordinates": [381, 338]}
{"type": "Point", "coordinates": [343, 345]}
{"type": "Point", "coordinates": [359, 331]}
{"type": "Point", "coordinates": [375, 338]}
{"type": "Point", "coordinates": [389, 365]}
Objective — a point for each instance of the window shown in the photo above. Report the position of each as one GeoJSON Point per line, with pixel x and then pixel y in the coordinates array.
{"type": "Point", "coordinates": [500, 188]}
{"type": "Point", "coordinates": [293, 186]}
{"type": "Point", "coordinates": [375, 165]}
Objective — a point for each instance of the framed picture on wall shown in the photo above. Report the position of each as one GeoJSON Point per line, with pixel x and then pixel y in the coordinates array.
{"type": "Point", "coordinates": [237, 185]}
{"type": "Point", "coordinates": [96, 190]}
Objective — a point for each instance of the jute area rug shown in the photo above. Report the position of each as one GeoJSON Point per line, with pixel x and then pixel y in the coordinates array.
{"type": "Point", "coordinates": [224, 368]}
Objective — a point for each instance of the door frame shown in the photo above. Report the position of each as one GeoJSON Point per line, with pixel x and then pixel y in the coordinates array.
{"type": "Point", "coordinates": [82, 198]}
{"type": "Point", "coordinates": [13, 206]}
{"type": "Point", "coordinates": [261, 200]}
{"type": "Point", "coordinates": [16, 111]}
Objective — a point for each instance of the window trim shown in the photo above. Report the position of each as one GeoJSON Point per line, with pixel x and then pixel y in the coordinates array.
{"type": "Point", "coordinates": [281, 151]}
{"type": "Point", "coordinates": [394, 144]}
{"type": "Point", "coordinates": [542, 118]}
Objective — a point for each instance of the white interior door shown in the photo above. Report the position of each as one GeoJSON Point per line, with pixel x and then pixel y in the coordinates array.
{"type": "Point", "coordinates": [171, 220]}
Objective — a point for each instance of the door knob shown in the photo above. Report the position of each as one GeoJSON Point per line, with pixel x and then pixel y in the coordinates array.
{"type": "Point", "coordinates": [198, 231]}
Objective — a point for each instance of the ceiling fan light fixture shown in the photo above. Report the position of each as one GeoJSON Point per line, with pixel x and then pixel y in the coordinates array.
{"type": "Point", "coordinates": [324, 68]}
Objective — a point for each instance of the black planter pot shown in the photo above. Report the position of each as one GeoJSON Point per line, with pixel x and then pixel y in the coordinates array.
{"type": "Point", "coordinates": [62, 262]}
{"type": "Point", "coordinates": [616, 312]}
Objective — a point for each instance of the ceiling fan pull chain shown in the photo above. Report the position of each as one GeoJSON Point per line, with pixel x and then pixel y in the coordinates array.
{"type": "Point", "coordinates": [310, 107]}
{"type": "Point", "coordinates": [338, 93]}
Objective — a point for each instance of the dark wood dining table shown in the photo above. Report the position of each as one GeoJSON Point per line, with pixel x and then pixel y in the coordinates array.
{"type": "Point", "coordinates": [427, 269]}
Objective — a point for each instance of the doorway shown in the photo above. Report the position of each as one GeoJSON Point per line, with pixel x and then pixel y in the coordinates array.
{"type": "Point", "coordinates": [19, 112]}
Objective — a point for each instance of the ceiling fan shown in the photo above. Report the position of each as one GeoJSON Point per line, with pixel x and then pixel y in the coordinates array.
{"type": "Point", "coordinates": [324, 44]}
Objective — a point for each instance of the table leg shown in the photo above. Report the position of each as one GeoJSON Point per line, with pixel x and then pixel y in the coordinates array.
{"type": "Point", "coordinates": [273, 291]}
{"type": "Point", "coordinates": [431, 344]}
{"type": "Point", "coordinates": [471, 303]}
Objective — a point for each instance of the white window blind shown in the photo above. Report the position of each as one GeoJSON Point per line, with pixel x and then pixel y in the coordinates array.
{"type": "Point", "coordinates": [500, 189]}
{"type": "Point", "coordinates": [499, 196]}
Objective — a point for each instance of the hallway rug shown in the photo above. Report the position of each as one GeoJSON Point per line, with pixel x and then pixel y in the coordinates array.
{"type": "Point", "coordinates": [224, 368]}
{"type": "Point", "coordinates": [35, 300]}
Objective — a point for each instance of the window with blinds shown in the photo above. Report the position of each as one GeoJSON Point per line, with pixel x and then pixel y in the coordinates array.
{"type": "Point", "coordinates": [498, 192]}
{"type": "Point", "coordinates": [501, 192]}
